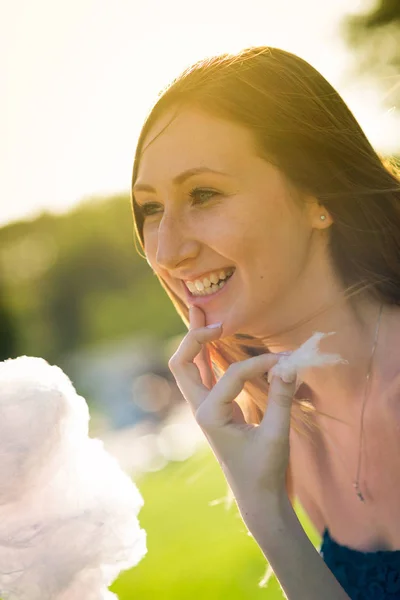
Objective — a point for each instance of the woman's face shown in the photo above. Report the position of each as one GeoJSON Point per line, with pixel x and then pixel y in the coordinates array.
{"type": "Point", "coordinates": [221, 225]}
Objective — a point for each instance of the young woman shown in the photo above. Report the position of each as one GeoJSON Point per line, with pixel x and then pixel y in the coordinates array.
{"type": "Point", "coordinates": [267, 216]}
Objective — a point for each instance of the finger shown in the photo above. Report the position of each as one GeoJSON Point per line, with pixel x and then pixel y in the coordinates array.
{"type": "Point", "coordinates": [217, 409]}
{"type": "Point", "coordinates": [276, 419]}
{"type": "Point", "coordinates": [204, 365]}
{"type": "Point", "coordinates": [186, 373]}
{"type": "Point", "coordinates": [197, 319]}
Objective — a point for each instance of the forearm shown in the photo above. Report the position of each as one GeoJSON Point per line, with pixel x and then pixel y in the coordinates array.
{"type": "Point", "coordinates": [298, 566]}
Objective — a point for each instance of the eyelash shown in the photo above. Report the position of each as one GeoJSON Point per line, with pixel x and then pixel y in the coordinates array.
{"type": "Point", "coordinates": [150, 208]}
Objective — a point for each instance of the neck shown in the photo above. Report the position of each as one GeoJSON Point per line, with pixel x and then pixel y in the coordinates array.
{"type": "Point", "coordinates": [354, 322]}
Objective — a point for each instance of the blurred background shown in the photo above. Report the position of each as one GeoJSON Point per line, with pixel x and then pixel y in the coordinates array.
{"type": "Point", "coordinates": [77, 80]}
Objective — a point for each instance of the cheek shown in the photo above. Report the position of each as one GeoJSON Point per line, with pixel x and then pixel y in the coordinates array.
{"type": "Point", "coordinates": [283, 260]}
{"type": "Point", "coordinates": [150, 246]}
{"type": "Point", "coordinates": [273, 245]}
{"type": "Point", "coordinates": [226, 231]}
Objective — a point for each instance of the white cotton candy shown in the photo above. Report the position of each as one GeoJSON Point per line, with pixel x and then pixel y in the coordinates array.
{"type": "Point", "coordinates": [68, 513]}
{"type": "Point", "coordinates": [308, 355]}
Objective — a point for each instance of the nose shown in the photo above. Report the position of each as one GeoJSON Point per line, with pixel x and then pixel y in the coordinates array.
{"type": "Point", "coordinates": [175, 243]}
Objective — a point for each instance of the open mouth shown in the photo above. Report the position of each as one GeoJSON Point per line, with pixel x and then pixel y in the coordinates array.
{"type": "Point", "coordinates": [211, 284]}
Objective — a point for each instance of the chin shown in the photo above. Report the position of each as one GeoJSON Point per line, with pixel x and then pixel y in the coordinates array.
{"type": "Point", "coordinates": [230, 326]}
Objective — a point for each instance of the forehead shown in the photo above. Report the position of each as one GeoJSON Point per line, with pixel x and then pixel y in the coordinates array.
{"type": "Point", "coordinates": [192, 138]}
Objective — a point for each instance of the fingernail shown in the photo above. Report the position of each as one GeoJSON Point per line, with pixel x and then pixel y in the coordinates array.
{"type": "Point", "coordinates": [213, 325]}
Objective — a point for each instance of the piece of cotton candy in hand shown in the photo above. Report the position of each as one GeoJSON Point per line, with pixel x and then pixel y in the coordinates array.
{"type": "Point", "coordinates": [307, 355]}
{"type": "Point", "coordinates": [68, 513]}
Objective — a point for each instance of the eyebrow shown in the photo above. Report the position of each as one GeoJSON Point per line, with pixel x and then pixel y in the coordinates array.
{"type": "Point", "coordinates": [179, 179]}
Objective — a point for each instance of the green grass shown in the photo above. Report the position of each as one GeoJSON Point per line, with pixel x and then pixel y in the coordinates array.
{"type": "Point", "coordinates": [195, 549]}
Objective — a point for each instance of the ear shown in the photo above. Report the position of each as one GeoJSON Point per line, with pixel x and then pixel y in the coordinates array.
{"type": "Point", "coordinates": [318, 215]}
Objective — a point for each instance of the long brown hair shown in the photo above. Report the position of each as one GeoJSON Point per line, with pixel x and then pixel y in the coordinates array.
{"type": "Point", "coordinates": [301, 125]}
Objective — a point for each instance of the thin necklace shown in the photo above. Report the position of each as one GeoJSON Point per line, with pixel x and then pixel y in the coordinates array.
{"type": "Point", "coordinates": [356, 483]}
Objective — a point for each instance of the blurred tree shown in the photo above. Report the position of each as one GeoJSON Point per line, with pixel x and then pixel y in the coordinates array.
{"type": "Point", "coordinates": [94, 265]}
{"type": "Point", "coordinates": [75, 280]}
{"type": "Point", "coordinates": [8, 342]}
{"type": "Point", "coordinates": [375, 34]}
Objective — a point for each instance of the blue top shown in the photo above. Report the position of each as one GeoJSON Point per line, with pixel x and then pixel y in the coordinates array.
{"type": "Point", "coordinates": [363, 575]}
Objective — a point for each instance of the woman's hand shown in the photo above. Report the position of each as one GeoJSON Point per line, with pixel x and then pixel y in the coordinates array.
{"type": "Point", "coordinates": [254, 458]}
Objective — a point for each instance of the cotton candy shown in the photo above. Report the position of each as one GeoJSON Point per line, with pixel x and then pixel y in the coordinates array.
{"type": "Point", "coordinates": [68, 513]}
{"type": "Point", "coordinates": [307, 355]}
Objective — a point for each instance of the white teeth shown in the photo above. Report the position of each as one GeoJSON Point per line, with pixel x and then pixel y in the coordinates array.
{"type": "Point", "coordinates": [209, 284]}
{"type": "Point", "coordinates": [199, 286]}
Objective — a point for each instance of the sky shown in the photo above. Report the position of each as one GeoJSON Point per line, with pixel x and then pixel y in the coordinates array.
{"type": "Point", "coordinates": [80, 75]}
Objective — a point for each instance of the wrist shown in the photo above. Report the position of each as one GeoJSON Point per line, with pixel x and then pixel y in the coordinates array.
{"type": "Point", "coordinates": [267, 514]}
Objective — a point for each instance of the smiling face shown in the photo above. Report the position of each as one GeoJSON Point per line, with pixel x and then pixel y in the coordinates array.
{"type": "Point", "coordinates": [221, 225]}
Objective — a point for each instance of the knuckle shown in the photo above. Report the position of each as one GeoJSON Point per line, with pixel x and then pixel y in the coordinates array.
{"type": "Point", "coordinates": [173, 363]}
{"type": "Point", "coordinates": [282, 399]}
{"type": "Point", "coordinates": [192, 334]}
{"type": "Point", "coordinates": [233, 370]}
{"type": "Point", "coordinates": [206, 417]}
{"type": "Point", "coordinates": [202, 417]}
{"type": "Point", "coordinates": [190, 339]}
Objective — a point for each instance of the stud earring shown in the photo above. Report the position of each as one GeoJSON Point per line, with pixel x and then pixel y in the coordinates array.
{"type": "Point", "coordinates": [322, 217]}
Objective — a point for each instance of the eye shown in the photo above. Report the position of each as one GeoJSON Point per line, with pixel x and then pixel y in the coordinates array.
{"type": "Point", "coordinates": [199, 196]}
{"type": "Point", "coordinates": [150, 208]}
{"type": "Point", "coordinates": [202, 195]}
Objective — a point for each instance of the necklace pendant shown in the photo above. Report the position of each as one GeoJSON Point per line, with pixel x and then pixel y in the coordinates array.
{"type": "Point", "coordinates": [358, 492]}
